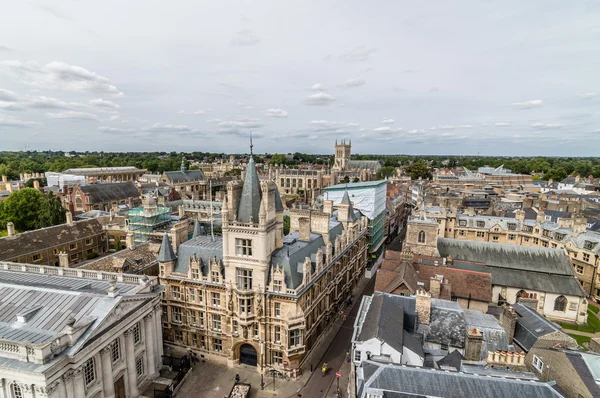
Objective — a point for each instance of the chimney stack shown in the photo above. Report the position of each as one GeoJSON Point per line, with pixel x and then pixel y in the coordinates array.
{"type": "Point", "coordinates": [4, 179]}
{"type": "Point", "coordinates": [10, 228]}
{"type": "Point", "coordinates": [304, 229]}
{"type": "Point", "coordinates": [9, 187]}
{"type": "Point", "coordinates": [473, 344]}
{"type": "Point", "coordinates": [69, 218]}
{"type": "Point", "coordinates": [541, 217]}
{"type": "Point", "coordinates": [130, 240]}
{"type": "Point", "coordinates": [423, 307]}
{"type": "Point", "coordinates": [508, 320]}
{"type": "Point", "coordinates": [63, 260]}
{"type": "Point", "coordinates": [435, 286]}
{"type": "Point", "coordinates": [36, 184]}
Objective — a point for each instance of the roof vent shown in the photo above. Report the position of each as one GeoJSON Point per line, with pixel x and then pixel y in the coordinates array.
{"type": "Point", "coordinates": [25, 316]}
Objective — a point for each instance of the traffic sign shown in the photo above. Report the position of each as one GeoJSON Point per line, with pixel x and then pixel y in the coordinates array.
{"type": "Point", "coordinates": [338, 374]}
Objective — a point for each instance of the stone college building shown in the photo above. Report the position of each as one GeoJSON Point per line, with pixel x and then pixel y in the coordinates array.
{"type": "Point", "coordinates": [254, 296]}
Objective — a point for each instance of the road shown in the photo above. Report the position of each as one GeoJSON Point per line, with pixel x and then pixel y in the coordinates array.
{"type": "Point", "coordinates": [318, 385]}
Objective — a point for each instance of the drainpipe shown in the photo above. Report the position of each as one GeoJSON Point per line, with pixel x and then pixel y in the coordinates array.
{"type": "Point", "coordinates": [594, 275]}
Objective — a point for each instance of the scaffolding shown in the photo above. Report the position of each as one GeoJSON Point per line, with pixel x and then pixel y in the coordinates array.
{"type": "Point", "coordinates": [148, 219]}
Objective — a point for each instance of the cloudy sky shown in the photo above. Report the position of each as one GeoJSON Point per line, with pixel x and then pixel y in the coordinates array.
{"type": "Point", "coordinates": [443, 77]}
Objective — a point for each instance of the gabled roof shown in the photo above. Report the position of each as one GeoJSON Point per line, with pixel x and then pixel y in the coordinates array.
{"type": "Point", "coordinates": [175, 177]}
{"type": "Point", "coordinates": [530, 326]}
{"type": "Point", "coordinates": [452, 360]}
{"type": "Point", "coordinates": [110, 192]}
{"type": "Point", "coordinates": [40, 239]}
{"type": "Point", "coordinates": [165, 254]}
{"type": "Point", "coordinates": [203, 248]}
{"type": "Point", "coordinates": [384, 321]}
{"type": "Point", "coordinates": [249, 204]}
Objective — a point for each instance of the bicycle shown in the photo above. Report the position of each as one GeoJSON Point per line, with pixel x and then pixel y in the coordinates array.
{"type": "Point", "coordinates": [279, 375]}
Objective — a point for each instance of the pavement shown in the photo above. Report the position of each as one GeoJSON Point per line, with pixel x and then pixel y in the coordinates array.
{"type": "Point", "coordinates": [212, 380]}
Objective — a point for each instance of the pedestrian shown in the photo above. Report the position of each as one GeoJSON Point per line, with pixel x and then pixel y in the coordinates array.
{"type": "Point", "coordinates": [344, 315]}
{"type": "Point", "coordinates": [237, 378]}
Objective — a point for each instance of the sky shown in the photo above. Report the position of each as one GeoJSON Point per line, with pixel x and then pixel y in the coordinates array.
{"type": "Point", "coordinates": [395, 77]}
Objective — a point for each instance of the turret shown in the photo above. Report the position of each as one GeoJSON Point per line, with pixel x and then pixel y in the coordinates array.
{"type": "Point", "coordinates": [166, 257]}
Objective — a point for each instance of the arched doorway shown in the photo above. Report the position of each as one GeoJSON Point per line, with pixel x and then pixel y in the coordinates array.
{"type": "Point", "coordinates": [248, 355]}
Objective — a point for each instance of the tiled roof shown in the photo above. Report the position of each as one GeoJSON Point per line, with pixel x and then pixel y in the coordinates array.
{"type": "Point", "coordinates": [110, 192]}
{"type": "Point", "coordinates": [137, 259]}
{"type": "Point", "coordinates": [45, 238]}
{"type": "Point", "coordinates": [176, 177]}
{"type": "Point", "coordinates": [165, 253]}
{"type": "Point", "coordinates": [463, 283]}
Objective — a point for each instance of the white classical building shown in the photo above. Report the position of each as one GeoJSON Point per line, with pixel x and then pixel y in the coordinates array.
{"type": "Point", "coordinates": [72, 333]}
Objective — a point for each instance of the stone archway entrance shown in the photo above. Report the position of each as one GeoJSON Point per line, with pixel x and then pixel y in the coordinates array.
{"type": "Point", "coordinates": [248, 355]}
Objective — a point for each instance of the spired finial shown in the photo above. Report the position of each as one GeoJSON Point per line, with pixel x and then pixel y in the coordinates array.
{"type": "Point", "coordinates": [183, 164]}
{"type": "Point", "coordinates": [251, 146]}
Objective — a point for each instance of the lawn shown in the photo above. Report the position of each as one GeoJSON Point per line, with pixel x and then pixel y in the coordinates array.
{"type": "Point", "coordinates": [581, 339]}
{"type": "Point", "coordinates": [593, 308]}
{"type": "Point", "coordinates": [593, 325]}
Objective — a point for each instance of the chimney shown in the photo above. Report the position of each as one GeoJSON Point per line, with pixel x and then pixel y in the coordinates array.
{"type": "Point", "coordinates": [520, 215]}
{"type": "Point", "coordinates": [10, 228]}
{"type": "Point", "coordinates": [435, 286]}
{"type": "Point", "coordinates": [4, 179]}
{"type": "Point", "coordinates": [579, 225]}
{"type": "Point", "coordinates": [473, 344]}
{"type": "Point", "coordinates": [508, 320]}
{"type": "Point", "coordinates": [423, 306]}
{"type": "Point", "coordinates": [304, 229]}
{"type": "Point", "coordinates": [9, 187]}
{"type": "Point", "coordinates": [130, 240]}
{"type": "Point", "coordinates": [113, 290]}
{"type": "Point", "coordinates": [469, 211]}
{"type": "Point", "coordinates": [63, 260]}
{"type": "Point", "coordinates": [577, 178]}
{"type": "Point", "coordinates": [36, 184]}
{"type": "Point", "coordinates": [69, 218]}
{"type": "Point", "coordinates": [328, 206]}
{"type": "Point", "coordinates": [181, 211]}
{"type": "Point", "coordinates": [541, 217]}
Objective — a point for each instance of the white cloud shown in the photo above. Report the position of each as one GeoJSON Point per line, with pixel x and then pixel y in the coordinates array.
{"type": "Point", "coordinates": [43, 102]}
{"type": "Point", "coordinates": [6, 122]}
{"type": "Point", "coordinates": [416, 131]}
{"type": "Point", "coordinates": [7, 95]}
{"type": "Point", "coordinates": [244, 106]}
{"type": "Point", "coordinates": [527, 104]}
{"type": "Point", "coordinates": [276, 112]}
{"type": "Point", "coordinates": [382, 129]}
{"type": "Point", "coordinates": [245, 37]}
{"type": "Point", "coordinates": [214, 120]}
{"type": "Point", "coordinates": [115, 117]}
{"type": "Point", "coordinates": [317, 87]}
{"type": "Point", "coordinates": [325, 125]}
{"type": "Point", "coordinates": [73, 115]}
{"type": "Point", "coordinates": [359, 54]}
{"type": "Point", "coordinates": [10, 106]}
{"type": "Point", "coordinates": [319, 99]}
{"type": "Point", "coordinates": [167, 128]}
{"type": "Point", "coordinates": [4, 48]}
{"type": "Point", "coordinates": [354, 83]}
{"type": "Point", "coordinates": [588, 96]}
{"type": "Point", "coordinates": [107, 129]}
{"type": "Point", "coordinates": [502, 124]}
{"type": "Point", "coordinates": [387, 121]}
{"type": "Point", "coordinates": [546, 126]}
{"type": "Point", "coordinates": [236, 124]}
{"type": "Point", "coordinates": [105, 105]}
{"type": "Point", "coordinates": [198, 112]}
{"type": "Point", "coordinates": [61, 76]}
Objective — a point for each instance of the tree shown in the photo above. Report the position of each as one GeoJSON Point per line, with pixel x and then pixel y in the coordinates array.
{"type": "Point", "coordinates": [418, 169]}
{"type": "Point", "coordinates": [356, 179]}
{"type": "Point", "coordinates": [118, 246]}
{"type": "Point", "coordinates": [23, 208]}
{"type": "Point", "coordinates": [556, 174]}
{"type": "Point", "coordinates": [29, 182]}
{"type": "Point", "coordinates": [385, 172]}
{"type": "Point", "coordinates": [278, 159]}
{"type": "Point", "coordinates": [233, 173]}
{"type": "Point", "coordinates": [346, 180]}
{"type": "Point", "coordinates": [286, 225]}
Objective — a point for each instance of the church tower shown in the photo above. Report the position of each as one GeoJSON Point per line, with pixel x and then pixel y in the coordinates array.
{"type": "Point", "coordinates": [342, 154]}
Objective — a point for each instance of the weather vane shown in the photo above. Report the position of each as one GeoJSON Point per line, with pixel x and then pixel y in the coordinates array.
{"type": "Point", "coordinates": [251, 146]}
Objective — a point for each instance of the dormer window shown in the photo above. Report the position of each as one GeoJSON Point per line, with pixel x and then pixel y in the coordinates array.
{"type": "Point", "coordinates": [589, 245]}
{"type": "Point", "coordinates": [480, 224]}
{"type": "Point", "coordinates": [195, 273]}
{"type": "Point", "coordinates": [216, 277]}
{"type": "Point", "coordinates": [512, 226]}
{"type": "Point", "coordinates": [462, 223]}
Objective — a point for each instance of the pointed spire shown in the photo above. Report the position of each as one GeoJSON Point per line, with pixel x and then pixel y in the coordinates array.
{"type": "Point", "coordinates": [165, 253]}
{"type": "Point", "coordinates": [197, 231]}
{"type": "Point", "coordinates": [251, 146]}
{"type": "Point", "coordinates": [249, 205]}
{"type": "Point", "coordinates": [345, 199]}
{"type": "Point", "coordinates": [183, 164]}
{"type": "Point", "coordinates": [278, 203]}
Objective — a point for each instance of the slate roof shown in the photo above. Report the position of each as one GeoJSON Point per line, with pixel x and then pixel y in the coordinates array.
{"type": "Point", "coordinates": [249, 204]}
{"type": "Point", "coordinates": [384, 321]}
{"type": "Point", "coordinates": [530, 326]}
{"type": "Point", "coordinates": [364, 165]}
{"type": "Point", "coordinates": [203, 248]}
{"type": "Point", "coordinates": [446, 325]}
{"type": "Point", "coordinates": [197, 231]}
{"type": "Point", "coordinates": [46, 238]}
{"type": "Point", "coordinates": [526, 267]}
{"type": "Point", "coordinates": [137, 259]}
{"type": "Point", "coordinates": [494, 335]}
{"type": "Point", "coordinates": [415, 382]}
{"type": "Point", "coordinates": [583, 365]}
{"type": "Point", "coordinates": [453, 360]}
{"type": "Point", "coordinates": [110, 192]}
{"type": "Point", "coordinates": [165, 254]}
{"type": "Point", "coordinates": [278, 204]}
{"type": "Point", "coordinates": [176, 177]}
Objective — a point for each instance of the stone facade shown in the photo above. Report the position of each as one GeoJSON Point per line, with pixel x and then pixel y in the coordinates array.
{"type": "Point", "coordinates": [421, 236]}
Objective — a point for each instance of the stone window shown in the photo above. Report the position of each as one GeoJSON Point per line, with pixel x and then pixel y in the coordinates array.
{"type": "Point", "coordinates": [139, 366]}
{"type": "Point", "coordinates": [201, 319]}
{"type": "Point", "coordinates": [179, 336]}
{"type": "Point", "coordinates": [421, 238]}
{"type": "Point", "coordinates": [16, 391]}
{"type": "Point", "coordinates": [244, 279]}
{"type": "Point", "coordinates": [235, 327]}
{"type": "Point", "coordinates": [295, 338]}
{"type": "Point", "coordinates": [357, 355]}
{"type": "Point", "coordinates": [175, 293]}
{"type": "Point", "coordinates": [73, 246]}
{"type": "Point", "coordinates": [256, 330]}
{"type": "Point", "coordinates": [137, 334]}
{"type": "Point", "coordinates": [89, 241]}
{"type": "Point", "coordinates": [538, 364]}
{"type": "Point", "coordinates": [277, 285]}
{"type": "Point", "coordinates": [277, 334]}
{"type": "Point", "coordinates": [444, 347]}
{"type": "Point", "coordinates": [218, 345]}
{"type": "Point", "coordinates": [462, 223]}
{"type": "Point", "coordinates": [246, 306]}
{"type": "Point", "coordinates": [115, 350]}
{"type": "Point", "coordinates": [192, 295]}
{"type": "Point", "coordinates": [579, 269]}
{"type": "Point", "coordinates": [586, 257]}
{"type": "Point", "coordinates": [195, 273]}
{"type": "Point", "coordinates": [512, 237]}
{"type": "Point", "coordinates": [277, 309]}
{"type": "Point", "coordinates": [277, 358]}
{"type": "Point", "coordinates": [544, 243]}
{"type": "Point", "coordinates": [480, 224]}
{"type": "Point", "coordinates": [216, 322]}
{"type": "Point", "coordinates": [215, 276]}
{"type": "Point", "coordinates": [216, 299]}
{"type": "Point", "coordinates": [462, 232]}
{"type": "Point", "coordinates": [512, 226]}
{"type": "Point", "coordinates": [193, 317]}
{"type": "Point", "coordinates": [526, 239]}
{"type": "Point", "coordinates": [560, 304]}
{"type": "Point", "coordinates": [480, 234]}
{"type": "Point", "coordinates": [243, 247]}
{"type": "Point", "coordinates": [89, 371]}
{"type": "Point", "coordinates": [495, 238]}
{"type": "Point", "coordinates": [37, 257]}
{"type": "Point", "coordinates": [194, 340]}
{"type": "Point", "coordinates": [536, 241]}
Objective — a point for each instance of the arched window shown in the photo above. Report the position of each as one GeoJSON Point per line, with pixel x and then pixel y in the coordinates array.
{"type": "Point", "coordinates": [15, 390]}
{"type": "Point", "coordinates": [521, 293]}
{"type": "Point", "coordinates": [560, 304]}
{"type": "Point", "coordinates": [421, 237]}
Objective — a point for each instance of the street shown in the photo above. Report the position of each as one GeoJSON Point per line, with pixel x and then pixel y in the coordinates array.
{"type": "Point", "coordinates": [318, 385]}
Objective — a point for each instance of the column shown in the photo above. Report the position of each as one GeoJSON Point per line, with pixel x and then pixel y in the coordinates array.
{"type": "Point", "coordinates": [69, 390]}
{"type": "Point", "coordinates": [150, 339]}
{"type": "Point", "coordinates": [130, 359]}
{"type": "Point", "coordinates": [158, 333]}
{"type": "Point", "coordinates": [57, 389]}
{"type": "Point", "coordinates": [78, 383]}
{"type": "Point", "coordinates": [108, 384]}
